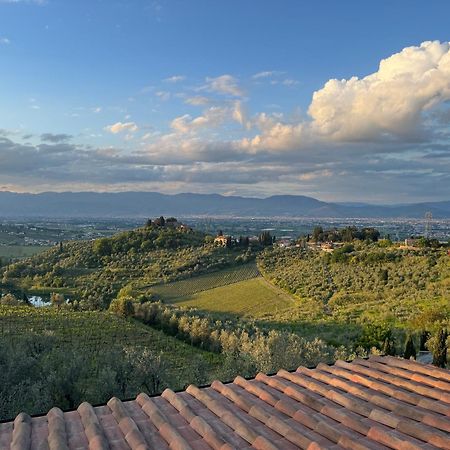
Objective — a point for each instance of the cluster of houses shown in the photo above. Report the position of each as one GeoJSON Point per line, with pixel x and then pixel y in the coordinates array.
{"type": "Point", "coordinates": [230, 241]}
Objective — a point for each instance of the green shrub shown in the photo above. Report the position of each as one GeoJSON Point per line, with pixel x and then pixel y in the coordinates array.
{"type": "Point", "coordinates": [123, 306]}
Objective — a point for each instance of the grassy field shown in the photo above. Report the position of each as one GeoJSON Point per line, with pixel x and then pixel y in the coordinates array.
{"type": "Point", "coordinates": [13, 252]}
{"type": "Point", "coordinates": [252, 298]}
{"type": "Point", "coordinates": [172, 291]}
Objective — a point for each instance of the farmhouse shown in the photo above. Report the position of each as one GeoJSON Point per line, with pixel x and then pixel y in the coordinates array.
{"type": "Point", "coordinates": [327, 247]}
{"type": "Point", "coordinates": [222, 241]}
{"type": "Point", "coordinates": [382, 402]}
{"type": "Point", "coordinates": [411, 242]}
{"type": "Point", "coordinates": [285, 243]}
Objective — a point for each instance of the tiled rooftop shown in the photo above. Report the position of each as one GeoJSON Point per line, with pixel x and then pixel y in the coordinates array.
{"type": "Point", "coordinates": [382, 402]}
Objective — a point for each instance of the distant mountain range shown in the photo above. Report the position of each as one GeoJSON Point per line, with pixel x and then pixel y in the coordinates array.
{"type": "Point", "coordinates": [150, 204]}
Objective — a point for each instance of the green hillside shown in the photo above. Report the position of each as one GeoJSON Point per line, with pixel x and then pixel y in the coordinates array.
{"type": "Point", "coordinates": [368, 284]}
{"type": "Point", "coordinates": [62, 357]}
{"type": "Point", "coordinates": [93, 272]}
{"type": "Point", "coordinates": [253, 298]}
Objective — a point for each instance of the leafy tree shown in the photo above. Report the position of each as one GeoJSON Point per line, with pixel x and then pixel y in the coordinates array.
{"type": "Point", "coordinates": [384, 275]}
{"type": "Point", "coordinates": [9, 300]}
{"type": "Point", "coordinates": [103, 247]}
{"type": "Point", "coordinates": [57, 299]}
{"type": "Point", "coordinates": [160, 222]}
{"type": "Point", "coordinates": [317, 234]}
{"type": "Point", "coordinates": [348, 234]}
{"type": "Point", "coordinates": [123, 306]}
{"type": "Point", "coordinates": [342, 254]}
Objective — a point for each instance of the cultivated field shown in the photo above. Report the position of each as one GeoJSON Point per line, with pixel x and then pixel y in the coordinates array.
{"type": "Point", "coordinates": [12, 252]}
{"type": "Point", "coordinates": [253, 298]}
{"type": "Point", "coordinates": [170, 291]}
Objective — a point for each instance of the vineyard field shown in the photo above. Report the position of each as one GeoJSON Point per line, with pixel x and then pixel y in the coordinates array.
{"type": "Point", "coordinates": [172, 291]}
{"type": "Point", "coordinates": [252, 298]}
{"type": "Point", "coordinates": [97, 332]}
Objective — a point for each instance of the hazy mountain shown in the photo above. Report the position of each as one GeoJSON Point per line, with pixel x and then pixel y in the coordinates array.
{"type": "Point", "coordinates": [148, 204]}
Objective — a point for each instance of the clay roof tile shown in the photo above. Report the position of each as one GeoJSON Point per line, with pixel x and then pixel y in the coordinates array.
{"type": "Point", "coordinates": [382, 402]}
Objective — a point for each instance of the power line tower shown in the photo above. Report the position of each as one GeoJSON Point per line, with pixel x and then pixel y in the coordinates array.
{"type": "Point", "coordinates": [428, 224]}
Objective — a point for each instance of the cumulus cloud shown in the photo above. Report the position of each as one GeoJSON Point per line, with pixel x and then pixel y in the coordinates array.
{"type": "Point", "coordinates": [212, 117]}
{"type": "Point", "coordinates": [4, 41]}
{"type": "Point", "coordinates": [224, 84]}
{"type": "Point", "coordinates": [119, 127]}
{"type": "Point", "coordinates": [390, 104]}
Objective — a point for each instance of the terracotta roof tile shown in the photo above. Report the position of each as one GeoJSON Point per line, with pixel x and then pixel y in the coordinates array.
{"type": "Point", "coordinates": [382, 402]}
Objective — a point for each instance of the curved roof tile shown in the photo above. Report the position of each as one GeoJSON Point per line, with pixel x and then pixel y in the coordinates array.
{"type": "Point", "coordinates": [382, 402]}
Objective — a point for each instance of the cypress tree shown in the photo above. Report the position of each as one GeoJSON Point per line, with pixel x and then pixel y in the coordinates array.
{"type": "Point", "coordinates": [410, 350]}
{"type": "Point", "coordinates": [440, 352]}
{"type": "Point", "coordinates": [424, 336]}
{"type": "Point", "coordinates": [389, 347]}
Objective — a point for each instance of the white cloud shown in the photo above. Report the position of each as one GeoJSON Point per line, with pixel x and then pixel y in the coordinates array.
{"type": "Point", "coordinates": [239, 114]}
{"type": "Point", "coordinates": [389, 102]}
{"type": "Point", "coordinates": [4, 41]}
{"type": "Point", "coordinates": [275, 136]}
{"type": "Point", "coordinates": [388, 105]}
{"type": "Point", "coordinates": [211, 118]}
{"type": "Point", "coordinates": [225, 84]}
{"type": "Point", "coordinates": [267, 74]}
{"type": "Point", "coordinates": [198, 100]}
{"type": "Point", "coordinates": [175, 79]}
{"type": "Point", "coordinates": [119, 127]}
{"type": "Point", "coordinates": [150, 135]}
{"type": "Point", "coordinates": [264, 74]}
{"type": "Point", "coordinates": [163, 95]}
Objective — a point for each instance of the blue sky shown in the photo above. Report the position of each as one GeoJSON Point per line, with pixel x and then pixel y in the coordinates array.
{"type": "Point", "coordinates": [209, 96]}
